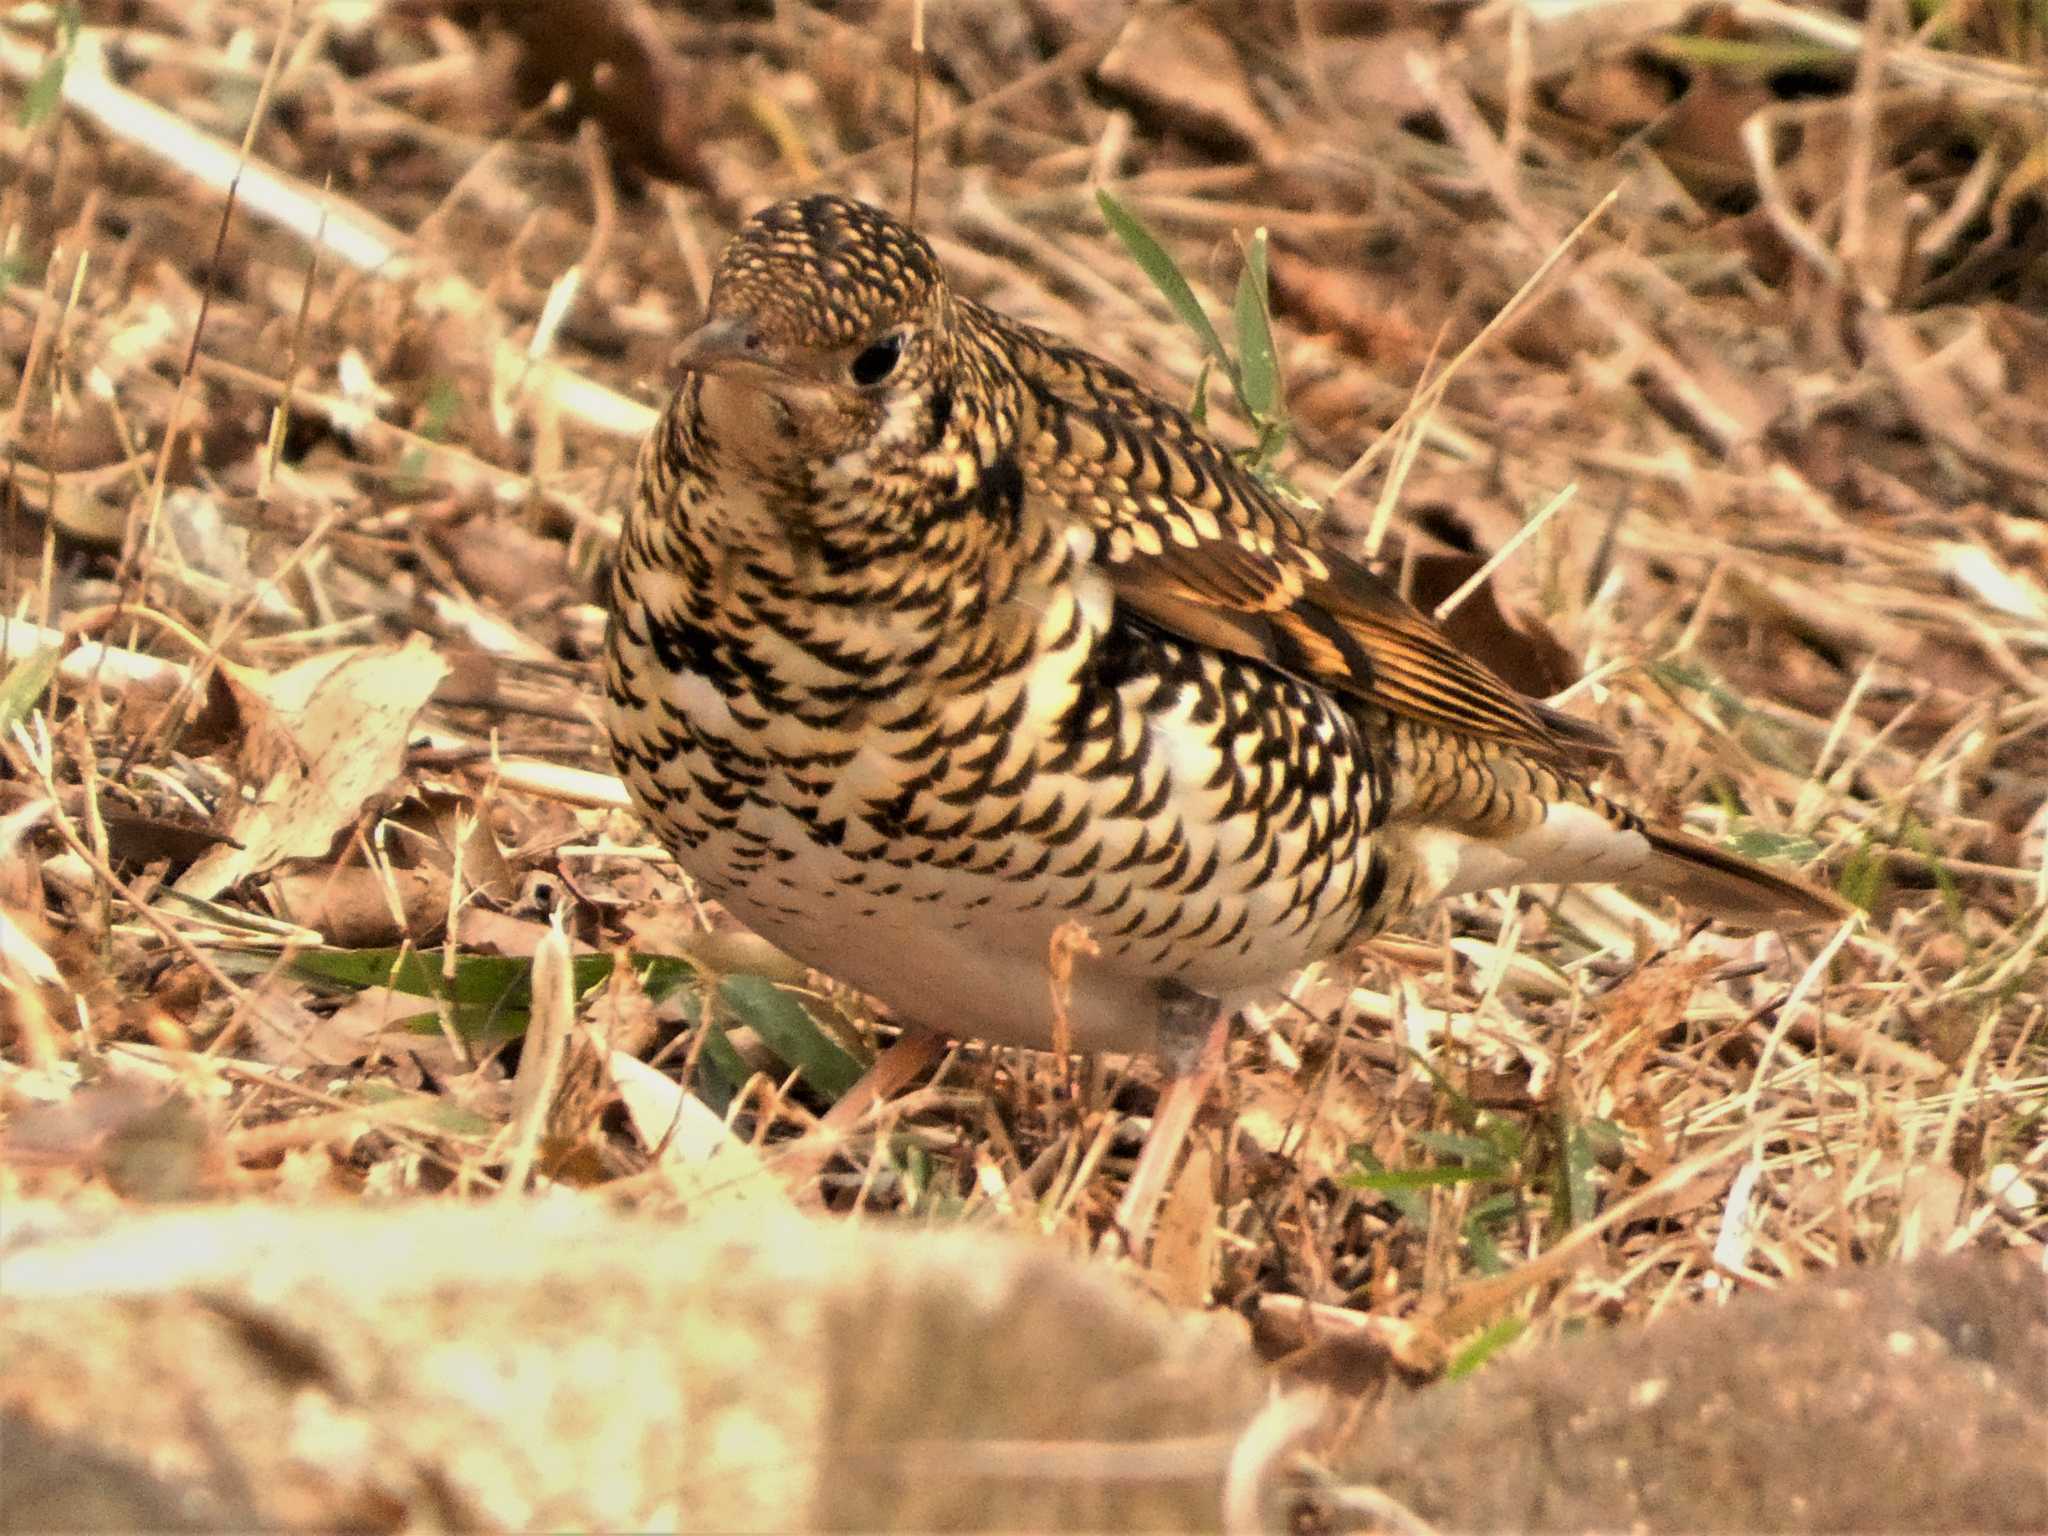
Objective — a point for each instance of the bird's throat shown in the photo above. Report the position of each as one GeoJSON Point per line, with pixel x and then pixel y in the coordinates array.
{"type": "Point", "coordinates": [755, 428]}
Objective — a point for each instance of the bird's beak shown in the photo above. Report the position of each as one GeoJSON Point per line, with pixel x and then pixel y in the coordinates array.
{"type": "Point", "coordinates": [724, 344]}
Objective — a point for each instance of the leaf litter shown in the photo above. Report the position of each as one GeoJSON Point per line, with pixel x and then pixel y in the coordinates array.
{"type": "Point", "coordinates": [294, 803]}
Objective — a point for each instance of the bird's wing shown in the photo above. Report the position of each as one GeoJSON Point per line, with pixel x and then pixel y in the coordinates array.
{"type": "Point", "coordinates": [1195, 545]}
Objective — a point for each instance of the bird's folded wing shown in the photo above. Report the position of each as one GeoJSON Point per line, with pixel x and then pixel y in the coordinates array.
{"type": "Point", "coordinates": [1196, 545]}
{"type": "Point", "coordinates": [1341, 627]}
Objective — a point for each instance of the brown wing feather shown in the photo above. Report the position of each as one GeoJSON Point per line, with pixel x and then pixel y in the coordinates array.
{"type": "Point", "coordinates": [1340, 626]}
{"type": "Point", "coordinates": [1196, 545]}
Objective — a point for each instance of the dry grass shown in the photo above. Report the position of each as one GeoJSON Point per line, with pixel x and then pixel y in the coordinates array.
{"type": "Point", "coordinates": [1805, 412]}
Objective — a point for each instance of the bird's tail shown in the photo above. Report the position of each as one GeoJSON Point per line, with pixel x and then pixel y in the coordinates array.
{"type": "Point", "coordinates": [1589, 838]}
{"type": "Point", "coordinates": [1734, 889]}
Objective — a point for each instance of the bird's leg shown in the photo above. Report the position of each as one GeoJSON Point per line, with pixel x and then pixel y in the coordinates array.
{"type": "Point", "coordinates": [1193, 1031]}
{"type": "Point", "coordinates": [890, 1073]}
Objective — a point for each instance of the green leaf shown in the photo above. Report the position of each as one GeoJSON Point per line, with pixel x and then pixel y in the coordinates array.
{"type": "Point", "coordinates": [662, 976]}
{"type": "Point", "coordinates": [1198, 406]}
{"type": "Point", "coordinates": [1480, 1247]}
{"type": "Point", "coordinates": [1389, 1180]}
{"type": "Point", "coordinates": [485, 1027]}
{"type": "Point", "coordinates": [1151, 257]}
{"type": "Point", "coordinates": [489, 996]}
{"type": "Point", "coordinates": [1914, 836]}
{"type": "Point", "coordinates": [1690, 677]}
{"type": "Point", "coordinates": [422, 1112]}
{"type": "Point", "coordinates": [1759, 843]}
{"type": "Point", "coordinates": [437, 415]}
{"type": "Point", "coordinates": [1413, 1207]}
{"type": "Point", "coordinates": [1752, 60]}
{"type": "Point", "coordinates": [26, 682]}
{"type": "Point", "coordinates": [1478, 1152]}
{"type": "Point", "coordinates": [478, 980]}
{"type": "Point", "coordinates": [1577, 1198]}
{"type": "Point", "coordinates": [725, 1072]}
{"type": "Point", "coordinates": [787, 1028]}
{"type": "Point", "coordinates": [1258, 359]}
{"type": "Point", "coordinates": [47, 89]}
{"type": "Point", "coordinates": [1863, 877]}
{"type": "Point", "coordinates": [1490, 1341]}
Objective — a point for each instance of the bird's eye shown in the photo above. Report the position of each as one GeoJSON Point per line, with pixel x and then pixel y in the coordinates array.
{"type": "Point", "coordinates": [877, 362]}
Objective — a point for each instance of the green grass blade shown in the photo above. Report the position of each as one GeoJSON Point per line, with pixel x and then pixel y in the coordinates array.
{"type": "Point", "coordinates": [1259, 389]}
{"type": "Point", "coordinates": [1390, 1180]}
{"type": "Point", "coordinates": [1492, 1339]}
{"type": "Point", "coordinates": [47, 89]}
{"type": "Point", "coordinates": [1761, 843]}
{"type": "Point", "coordinates": [489, 994]}
{"type": "Point", "coordinates": [1477, 1152]}
{"type": "Point", "coordinates": [1414, 1208]}
{"type": "Point", "coordinates": [26, 682]}
{"type": "Point", "coordinates": [1198, 404]}
{"type": "Point", "coordinates": [787, 1028]}
{"type": "Point", "coordinates": [1153, 260]}
{"type": "Point", "coordinates": [1864, 878]}
{"type": "Point", "coordinates": [1577, 1198]}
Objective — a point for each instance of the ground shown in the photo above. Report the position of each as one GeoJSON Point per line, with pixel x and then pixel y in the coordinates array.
{"type": "Point", "coordinates": [306, 814]}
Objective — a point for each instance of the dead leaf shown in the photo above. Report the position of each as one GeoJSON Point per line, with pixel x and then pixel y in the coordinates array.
{"type": "Point", "coordinates": [1618, 92]}
{"type": "Point", "coordinates": [286, 1034]}
{"type": "Point", "coordinates": [1178, 66]}
{"type": "Point", "coordinates": [1702, 135]}
{"type": "Point", "coordinates": [332, 732]}
{"type": "Point", "coordinates": [353, 906]}
{"type": "Point", "coordinates": [1369, 76]}
{"type": "Point", "coordinates": [620, 69]}
{"type": "Point", "coordinates": [1519, 648]}
{"type": "Point", "coordinates": [700, 1153]}
{"type": "Point", "coordinates": [1331, 297]}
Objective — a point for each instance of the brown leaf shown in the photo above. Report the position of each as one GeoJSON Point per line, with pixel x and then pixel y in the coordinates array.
{"type": "Point", "coordinates": [1702, 135]}
{"type": "Point", "coordinates": [352, 905]}
{"type": "Point", "coordinates": [1334, 300]}
{"type": "Point", "coordinates": [1616, 92]}
{"type": "Point", "coordinates": [1517, 648]}
{"type": "Point", "coordinates": [1370, 78]}
{"type": "Point", "coordinates": [453, 825]}
{"type": "Point", "coordinates": [620, 69]}
{"type": "Point", "coordinates": [1179, 67]}
{"type": "Point", "coordinates": [326, 736]}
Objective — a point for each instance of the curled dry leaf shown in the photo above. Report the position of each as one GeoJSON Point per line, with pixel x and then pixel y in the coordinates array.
{"type": "Point", "coordinates": [1179, 67]}
{"type": "Point", "coordinates": [324, 737]}
{"type": "Point", "coordinates": [358, 907]}
{"type": "Point", "coordinates": [1516, 646]}
{"type": "Point", "coordinates": [620, 69]}
{"type": "Point", "coordinates": [698, 1150]}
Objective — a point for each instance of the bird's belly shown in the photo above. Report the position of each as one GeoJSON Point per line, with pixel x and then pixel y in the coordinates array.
{"type": "Point", "coordinates": [931, 866]}
{"type": "Point", "coordinates": [952, 954]}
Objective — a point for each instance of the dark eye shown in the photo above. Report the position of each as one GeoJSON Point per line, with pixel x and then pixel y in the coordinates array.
{"type": "Point", "coordinates": [877, 362]}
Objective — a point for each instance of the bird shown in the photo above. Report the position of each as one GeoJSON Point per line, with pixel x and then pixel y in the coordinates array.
{"type": "Point", "coordinates": [932, 634]}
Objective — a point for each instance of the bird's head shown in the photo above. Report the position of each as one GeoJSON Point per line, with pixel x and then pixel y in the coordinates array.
{"type": "Point", "coordinates": [828, 330]}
